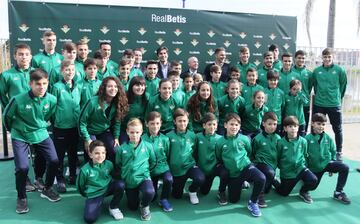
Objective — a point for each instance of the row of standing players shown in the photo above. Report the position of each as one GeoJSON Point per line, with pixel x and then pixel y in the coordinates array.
{"type": "Point", "coordinates": [113, 110]}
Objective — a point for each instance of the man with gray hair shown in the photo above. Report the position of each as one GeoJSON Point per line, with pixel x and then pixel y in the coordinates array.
{"type": "Point", "coordinates": [193, 65]}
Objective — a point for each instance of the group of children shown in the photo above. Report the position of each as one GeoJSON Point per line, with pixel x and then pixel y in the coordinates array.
{"type": "Point", "coordinates": [137, 129]}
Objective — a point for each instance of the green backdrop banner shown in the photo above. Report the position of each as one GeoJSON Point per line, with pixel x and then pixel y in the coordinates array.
{"type": "Point", "coordinates": [185, 32]}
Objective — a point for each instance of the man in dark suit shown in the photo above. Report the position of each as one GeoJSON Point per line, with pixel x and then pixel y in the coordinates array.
{"type": "Point", "coordinates": [220, 57]}
{"type": "Point", "coordinates": [163, 64]}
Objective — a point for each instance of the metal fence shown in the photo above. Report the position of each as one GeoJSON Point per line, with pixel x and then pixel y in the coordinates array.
{"type": "Point", "coordinates": [350, 60]}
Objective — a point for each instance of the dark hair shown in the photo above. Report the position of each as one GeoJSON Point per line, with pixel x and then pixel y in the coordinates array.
{"type": "Point", "coordinates": [88, 62]}
{"type": "Point", "coordinates": [244, 49]}
{"type": "Point", "coordinates": [94, 144]}
{"type": "Point", "coordinates": [99, 55]}
{"type": "Point", "coordinates": [21, 46]}
{"type": "Point", "coordinates": [104, 43]}
{"type": "Point", "coordinates": [49, 33]}
{"type": "Point", "coordinates": [137, 80]}
{"type": "Point", "coordinates": [217, 50]}
{"type": "Point", "coordinates": [290, 120]}
{"type": "Point", "coordinates": [69, 46]}
{"type": "Point", "coordinates": [37, 74]}
{"type": "Point", "coordinates": [193, 105]}
{"type": "Point", "coordinates": [209, 117]}
{"type": "Point", "coordinates": [232, 81]}
{"type": "Point", "coordinates": [257, 92]}
{"type": "Point", "coordinates": [120, 100]}
{"type": "Point", "coordinates": [215, 68]}
{"type": "Point", "coordinates": [123, 63]}
{"type": "Point", "coordinates": [231, 116]}
{"type": "Point", "coordinates": [318, 117]}
{"type": "Point", "coordinates": [151, 62]}
{"type": "Point", "coordinates": [269, 116]}
{"type": "Point", "coordinates": [152, 116]}
{"type": "Point", "coordinates": [66, 63]}
{"type": "Point", "coordinates": [187, 75]}
{"type": "Point", "coordinates": [299, 52]}
{"type": "Point", "coordinates": [327, 51]}
{"type": "Point", "coordinates": [173, 73]}
{"type": "Point", "coordinates": [272, 74]}
{"type": "Point", "coordinates": [160, 49]}
{"type": "Point", "coordinates": [234, 69]}
{"type": "Point", "coordinates": [180, 112]}
{"type": "Point", "coordinates": [294, 83]}
{"type": "Point", "coordinates": [162, 81]}
{"type": "Point", "coordinates": [251, 70]}
{"type": "Point", "coordinates": [272, 47]}
{"type": "Point", "coordinates": [174, 63]}
{"type": "Point", "coordinates": [81, 42]}
{"type": "Point", "coordinates": [128, 52]}
{"type": "Point", "coordinates": [286, 55]}
{"type": "Point", "coordinates": [268, 53]}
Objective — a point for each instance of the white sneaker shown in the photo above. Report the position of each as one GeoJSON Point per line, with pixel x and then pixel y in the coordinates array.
{"type": "Point", "coordinates": [193, 198]}
{"type": "Point", "coordinates": [116, 213]}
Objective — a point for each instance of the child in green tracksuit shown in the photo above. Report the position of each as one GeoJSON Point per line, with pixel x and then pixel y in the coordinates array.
{"type": "Point", "coordinates": [248, 89]}
{"type": "Point", "coordinates": [135, 159]}
{"type": "Point", "coordinates": [253, 114]}
{"type": "Point", "coordinates": [123, 73]}
{"type": "Point", "coordinates": [321, 157]}
{"type": "Point", "coordinates": [244, 64]}
{"type": "Point", "coordinates": [275, 101]}
{"type": "Point", "coordinates": [26, 117]}
{"type": "Point", "coordinates": [206, 158]}
{"type": "Point", "coordinates": [105, 68]}
{"type": "Point", "coordinates": [178, 94]}
{"type": "Point", "coordinates": [161, 146]}
{"type": "Point", "coordinates": [286, 73]}
{"type": "Point", "coordinates": [294, 104]}
{"type": "Point", "coordinates": [181, 159]}
{"type": "Point", "coordinates": [189, 89]}
{"type": "Point", "coordinates": [230, 103]}
{"type": "Point", "coordinates": [292, 151]}
{"type": "Point", "coordinates": [265, 153]}
{"type": "Point", "coordinates": [67, 93]}
{"type": "Point", "coordinates": [165, 104]}
{"type": "Point", "coordinates": [91, 83]}
{"type": "Point", "coordinates": [199, 104]}
{"type": "Point", "coordinates": [233, 150]}
{"type": "Point", "coordinates": [268, 64]}
{"type": "Point", "coordinates": [152, 81]}
{"type": "Point", "coordinates": [217, 86]}
{"type": "Point", "coordinates": [95, 182]}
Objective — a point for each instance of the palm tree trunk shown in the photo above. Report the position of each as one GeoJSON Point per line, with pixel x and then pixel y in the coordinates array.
{"type": "Point", "coordinates": [331, 24]}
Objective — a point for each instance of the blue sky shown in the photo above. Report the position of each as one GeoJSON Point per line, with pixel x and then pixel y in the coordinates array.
{"type": "Point", "coordinates": [345, 33]}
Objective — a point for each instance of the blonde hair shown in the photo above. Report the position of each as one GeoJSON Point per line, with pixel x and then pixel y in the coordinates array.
{"type": "Point", "coordinates": [134, 122]}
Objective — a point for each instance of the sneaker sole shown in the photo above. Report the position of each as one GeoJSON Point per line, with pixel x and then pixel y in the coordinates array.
{"type": "Point", "coordinates": [263, 206]}
{"type": "Point", "coordinates": [223, 203]}
{"type": "Point", "coordinates": [22, 211]}
{"type": "Point", "coordinates": [145, 219]}
{"type": "Point", "coordinates": [345, 203]}
{"type": "Point", "coordinates": [46, 197]}
{"type": "Point", "coordinates": [304, 199]}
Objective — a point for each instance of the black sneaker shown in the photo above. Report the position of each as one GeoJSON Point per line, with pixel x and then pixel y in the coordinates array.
{"type": "Point", "coordinates": [276, 183]}
{"type": "Point", "coordinates": [72, 180]}
{"type": "Point", "coordinates": [305, 196]}
{"type": "Point", "coordinates": [358, 169]}
{"type": "Point", "coordinates": [262, 202]}
{"type": "Point", "coordinates": [61, 187]}
{"type": "Point", "coordinates": [339, 156]}
{"type": "Point", "coordinates": [29, 187]}
{"type": "Point", "coordinates": [39, 184]}
{"type": "Point", "coordinates": [50, 194]}
{"type": "Point", "coordinates": [22, 206]}
{"type": "Point", "coordinates": [341, 196]}
{"type": "Point", "coordinates": [222, 198]}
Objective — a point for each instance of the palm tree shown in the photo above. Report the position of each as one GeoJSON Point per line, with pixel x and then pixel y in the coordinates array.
{"type": "Point", "coordinates": [331, 21]}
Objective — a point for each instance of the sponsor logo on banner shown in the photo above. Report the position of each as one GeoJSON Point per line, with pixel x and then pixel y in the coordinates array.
{"type": "Point", "coordinates": [123, 40]}
{"type": "Point", "coordinates": [123, 31]}
{"type": "Point", "coordinates": [194, 42]}
{"type": "Point", "coordinates": [210, 43]}
{"type": "Point", "coordinates": [227, 35]}
{"type": "Point", "coordinates": [177, 42]}
{"type": "Point", "coordinates": [272, 36]}
{"type": "Point", "coordinates": [194, 52]}
{"type": "Point", "coordinates": [177, 32]}
{"type": "Point", "coordinates": [227, 43]}
{"type": "Point", "coordinates": [286, 38]}
{"type": "Point", "coordinates": [103, 40]}
{"type": "Point", "coordinates": [85, 30]}
{"type": "Point", "coordinates": [211, 33]}
{"type": "Point", "coordinates": [242, 35]}
{"type": "Point", "coordinates": [177, 51]}
{"type": "Point", "coordinates": [160, 41]}
{"type": "Point", "coordinates": [286, 46]}
{"type": "Point", "coordinates": [23, 27]}
{"type": "Point", "coordinates": [142, 41]}
{"type": "Point", "coordinates": [44, 29]}
{"type": "Point", "coordinates": [85, 39]}
{"type": "Point", "coordinates": [142, 30]}
{"type": "Point", "coordinates": [257, 44]}
{"type": "Point", "coordinates": [194, 33]}
{"type": "Point", "coordinates": [210, 52]}
{"type": "Point", "coordinates": [104, 30]}
{"type": "Point", "coordinates": [257, 36]}
{"type": "Point", "coordinates": [65, 40]}
{"type": "Point", "coordinates": [167, 18]}
{"type": "Point", "coordinates": [24, 39]}
{"type": "Point", "coordinates": [257, 62]}
{"type": "Point", "coordinates": [160, 32]}
{"type": "Point", "coordinates": [242, 45]}
{"type": "Point", "coordinates": [65, 28]}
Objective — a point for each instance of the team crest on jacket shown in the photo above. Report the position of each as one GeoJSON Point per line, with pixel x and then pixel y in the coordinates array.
{"type": "Point", "coordinates": [46, 106]}
{"type": "Point", "coordinates": [28, 106]}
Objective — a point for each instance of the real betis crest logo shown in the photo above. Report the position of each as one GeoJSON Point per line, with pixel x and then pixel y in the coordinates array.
{"type": "Point", "coordinates": [143, 50]}
{"type": "Point", "coordinates": [272, 36]}
{"type": "Point", "coordinates": [23, 27]}
{"type": "Point", "coordinates": [227, 43]}
{"type": "Point", "coordinates": [177, 32]}
{"type": "Point", "coordinates": [123, 40]}
{"type": "Point", "coordinates": [211, 33]}
{"type": "Point", "coordinates": [242, 35]}
{"type": "Point", "coordinates": [142, 31]}
{"type": "Point", "coordinates": [177, 51]}
{"type": "Point", "coordinates": [257, 44]}
{"type": "Point", "coordinates": [65, 28]}
{"type": "Point", "coordinates": [160, 41]}
{"type": "Point", "coordinates": [257, 62]}
{"type": "Point", "coordinates": [85, 39]}
{"type": "Point", "coordinates": [210, 52]}
{"type": "Point", "coordinates": [104, 30]}
{"type": "Point", "coordinates": [194, 42]}
{"type": "Point", "coordinates": [286, 46]}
